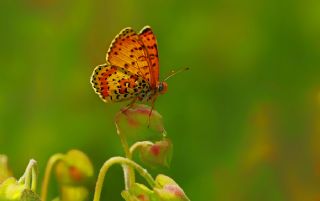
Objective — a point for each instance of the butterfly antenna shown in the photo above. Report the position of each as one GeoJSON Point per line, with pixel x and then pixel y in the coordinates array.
{"type": "Point", "coordinates": [173, 72]}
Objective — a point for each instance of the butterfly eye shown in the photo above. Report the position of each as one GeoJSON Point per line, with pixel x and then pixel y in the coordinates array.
{"type": "Point", "coordinates": [163, 87]}
{"type": "Point", "coordinates": [160, 87]}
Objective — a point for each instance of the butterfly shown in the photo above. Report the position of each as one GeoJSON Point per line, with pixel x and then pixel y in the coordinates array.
{"type": "Point", "coordinates": [132, 69]}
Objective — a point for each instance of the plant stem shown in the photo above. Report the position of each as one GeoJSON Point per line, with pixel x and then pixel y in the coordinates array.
{"type": "Point", "coordinates": [123, 161]}
{"type": "Point", "coordinates": [52, 161]}
{"type": "Point", "coordinates": [34, 174]}
{"type": "Point", "coordinates": [139, 144]}
{"type": "Point", "coordinates": [34, 179]}
{"type": "Point", "coordinates": [129, 177]}
{"type": "Point", "coordinates": [29, 178]}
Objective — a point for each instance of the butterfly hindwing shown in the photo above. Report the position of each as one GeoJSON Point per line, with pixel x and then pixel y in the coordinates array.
{"type": "Point", "coordinates": [128, 51]}
{"type": "Point", "coordinates": [115, 84]}
{"type": "Point", "coordinates": [150, 42]}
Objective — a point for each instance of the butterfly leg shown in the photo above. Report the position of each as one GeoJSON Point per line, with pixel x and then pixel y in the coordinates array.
{"type": "Point", "coordinates": [151, 109]}
{"type": "Point", "coordinates": [130, 105]}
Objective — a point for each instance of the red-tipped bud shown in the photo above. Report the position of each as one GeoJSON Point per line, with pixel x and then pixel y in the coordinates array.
{"type": "Point", "coordinates": [167, 189]}
{"type": "Point", "coordinates": [75, 169]}
{"type": "Point", "coordinates": [138, 192]}
{"type": "Point", "coordinates": [158, 154]}
{"type": "Point", "coordinates": [139, 122]}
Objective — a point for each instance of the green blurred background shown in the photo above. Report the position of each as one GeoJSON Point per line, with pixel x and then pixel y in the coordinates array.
{"type": "Point", "coordinates": [245, 120]}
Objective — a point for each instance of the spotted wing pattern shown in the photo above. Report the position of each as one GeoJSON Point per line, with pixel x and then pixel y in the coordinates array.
{"type": "Point", "coordinates": [128, 51]}
{"type": "Point", "coordinates": [150, 42]}
{"type": "Point", "coordinates": [115, 84]}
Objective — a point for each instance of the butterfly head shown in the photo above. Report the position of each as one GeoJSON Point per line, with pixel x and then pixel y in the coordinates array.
{"type": "Point", "coordinates": [162, 87]}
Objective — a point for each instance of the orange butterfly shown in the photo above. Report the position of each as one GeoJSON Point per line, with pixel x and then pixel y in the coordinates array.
{"type": "Point", "coordinates": [132, 69]}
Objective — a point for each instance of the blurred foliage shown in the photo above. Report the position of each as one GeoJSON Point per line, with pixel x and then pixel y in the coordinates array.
{"type": "Point", "coordinates": [23, 189]}
{"type": "Point", "coordinates": [245, 120]}
{"type": "Point", "coordinates": [5, 171]}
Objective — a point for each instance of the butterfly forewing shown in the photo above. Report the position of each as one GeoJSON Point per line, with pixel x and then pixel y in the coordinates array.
{"type": "Point", "coordinates": [115, 84]}
{"type": "Point", "coordinates": [127, 51]}
{"type": "Point", "coordinates": [150, 43]}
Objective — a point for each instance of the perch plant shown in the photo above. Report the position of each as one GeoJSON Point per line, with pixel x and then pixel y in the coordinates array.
{"type": "Point", "coordinates": [74, 171]}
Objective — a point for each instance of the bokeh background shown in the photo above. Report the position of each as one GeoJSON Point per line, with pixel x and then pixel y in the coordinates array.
{"type": "Point", "coordinates": [245, 120]}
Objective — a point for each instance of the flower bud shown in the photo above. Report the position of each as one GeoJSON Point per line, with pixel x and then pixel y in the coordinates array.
{"type": "Point", "coordinates": [11, 190]}
{"type": "Point", "coordinates": [74, 169]}
{"type": "Point", "coordinates": [22, 190]}
{"type": "Point", "coordinates": [158, 154]}
{"type": "Point", "coordinates": [137, 123]}
{"type": "Point", "coordinates": [138, 192]}
{"type": "Point", "coordinates": [139, 114]}
{"type": "Point", "coordinates": [74, 193]}
{"type": "Point", "coordinates": [167, 189]}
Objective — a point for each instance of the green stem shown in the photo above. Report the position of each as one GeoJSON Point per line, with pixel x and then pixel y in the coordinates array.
{"type": "Point", "coordinates": [139, 144]}
{"type": "Point", "coordinates": [34, 179]}
{"type": "Point", "coordinates": [29, 178]}
{"type": "Point", "coordinates": [52, 161]}
{"type": "Point", "coordinates": [124, 142]}
{"type": "Point", "coordinates": [123, 161]}
{"type": "Point", "coordinates": [129, 176]}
